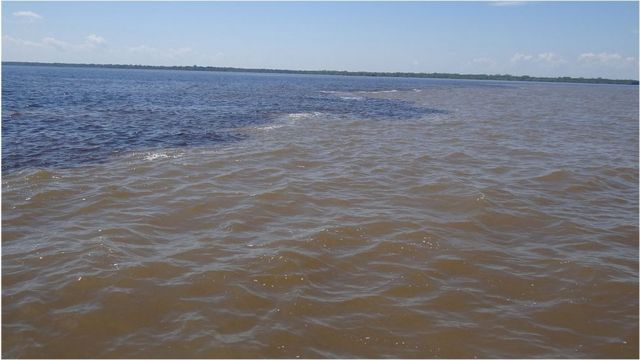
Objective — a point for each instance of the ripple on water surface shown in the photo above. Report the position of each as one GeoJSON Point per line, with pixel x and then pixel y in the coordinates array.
{"type": "Point", "coordinates": [330, 233]}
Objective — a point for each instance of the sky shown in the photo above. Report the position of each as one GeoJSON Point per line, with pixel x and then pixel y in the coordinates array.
{"type": "Point", "coordinates": [580, 39]}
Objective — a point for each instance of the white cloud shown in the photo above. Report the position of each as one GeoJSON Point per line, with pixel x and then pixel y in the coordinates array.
{"type": "Point", "coordinates": [613, 65]}
{"type": "Point", "coordinates": [507, 3]}
{"type": "Point", "coordinates": [94, 39]}
{"type": "Point", "coordinates": [53, 42]}
{"type": "Point", "coordinates": [551, 58]}
{"type": "Point", "coordinates": [20, 42]}
{"type": "Point", "coordinates": [27, 15]}
{"type": "Point", "coordinates": [610, 62]}
{"type": "Point", "coordinates": [604, 58]}
{"type": "Point", "coordinates": [517, 57]}
{"type": "Point", "coordinates": [44, 43]}
{"type": "Point", "coordinates": [548, 57]}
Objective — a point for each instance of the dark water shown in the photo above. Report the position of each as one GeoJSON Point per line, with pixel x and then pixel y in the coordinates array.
{"type": "Point", "coordinates": [187, 214]}
{"type": "Point", "coordinates": [92, 114]}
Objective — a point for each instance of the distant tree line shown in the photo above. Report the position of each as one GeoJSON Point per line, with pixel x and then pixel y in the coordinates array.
{"type": "Point", "coordinates": [504, 77]}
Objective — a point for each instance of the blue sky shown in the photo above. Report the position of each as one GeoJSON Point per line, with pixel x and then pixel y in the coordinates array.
{"type": "Point", "coordinates": [594, 39]}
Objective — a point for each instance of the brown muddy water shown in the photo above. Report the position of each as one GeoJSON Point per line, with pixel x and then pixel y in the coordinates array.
{"type": "Point", "coordinates": [505, 225]}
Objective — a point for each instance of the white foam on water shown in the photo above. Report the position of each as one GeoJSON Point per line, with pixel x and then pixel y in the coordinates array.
{"type": "Point", "coordinates": [304, 115]}
{"type": "Point", "coordinates": [282, 121]}
{"type": "Point", "coordinates": [269, 127]}
{"type": "Point", "coordinates": [154, 155]}
{"type": "Point", "coordinates": [381, 91]}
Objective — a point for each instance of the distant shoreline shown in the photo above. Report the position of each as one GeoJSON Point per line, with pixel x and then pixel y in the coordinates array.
{"type": "Point", "coordinates": [504, 77]}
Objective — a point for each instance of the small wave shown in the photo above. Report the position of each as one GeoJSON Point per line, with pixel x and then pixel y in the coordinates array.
{"type": "Point", "coordinates": [304, 115]}
{"type": "Point", "coordinates": [351, 98]}
{"type": "Point", "coordinates": [381, 91]}
{"type": "Point", "coordinates": [458, 156]}
{"type": "Point", "coordinates": [41, 175]}
{"type": "Point", "coordinates": [553, 176]}
{"type": "Point", "coordinates": [154, 155]}
{"type": "Point", "coordinates": [46, 196]}
{"type": "Point", "coordinates": [269, 127]}
{"type": "Point", "coordinates": [282, 121]}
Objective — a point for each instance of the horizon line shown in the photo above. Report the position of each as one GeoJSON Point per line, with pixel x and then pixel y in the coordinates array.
{"type": "Point", "coordinates": [440, 75]}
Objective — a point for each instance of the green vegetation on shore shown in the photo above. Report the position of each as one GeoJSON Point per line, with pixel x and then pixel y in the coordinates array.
{"type": "Point", "coordinates": [504, 77]}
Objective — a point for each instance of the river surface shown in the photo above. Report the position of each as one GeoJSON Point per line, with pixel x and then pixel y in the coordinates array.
{"type": "Point", "coordinates": [199, 214]}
